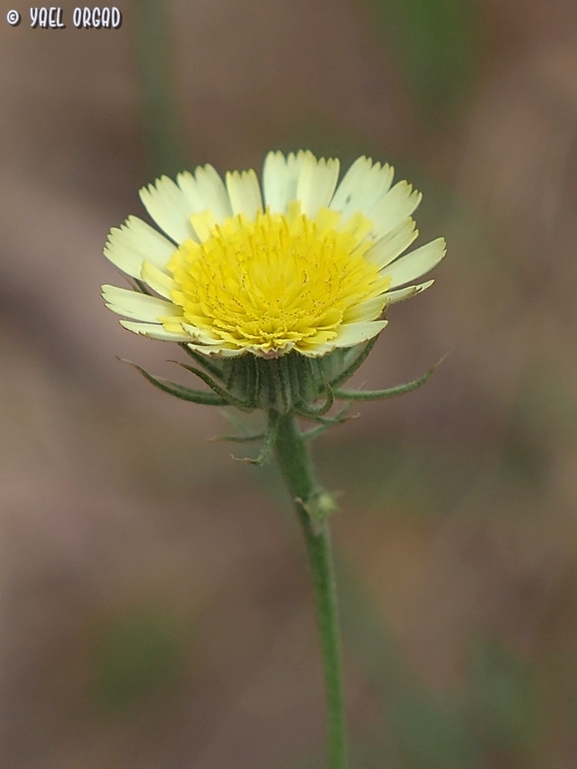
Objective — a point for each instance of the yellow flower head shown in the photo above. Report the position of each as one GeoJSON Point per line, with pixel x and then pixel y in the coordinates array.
{"type": "Point", "coordinates": [306, 265]}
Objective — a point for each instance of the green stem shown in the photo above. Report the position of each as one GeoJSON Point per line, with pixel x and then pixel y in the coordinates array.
{"type": "Point", "coordinates": [294, 460]}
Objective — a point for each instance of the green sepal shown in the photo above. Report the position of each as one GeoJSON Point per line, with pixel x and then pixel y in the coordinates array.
{"type": "Point", "coordinates": [357, 362]}
{"type": "Point", "coordinates": [269, 442]}
{"type": "Point", "coordinates": [277, 383]}
{"type": "Point", "coordinates": [230, 399]}
{"type": "Point", "coordinates": [238, 438]}
{"type": "Point", "coordinates": [391, 392]}
{"type": "Point", "coordinates": [315, 432]}
{"type": "Point", "coordinates": [329, 421]}
{"type": "Point", "coordinates": [142, 287]}
{"type": "Point", "coordinates": [318, 411]}
{"type": "Point", "coordinates": [204, 360]}
{"type": "Point", "coordinates": [178, 390]}
{"type": "Point", "coordinates": [244, 436]}
{"type": "Point", "coordinates": [319, 506]}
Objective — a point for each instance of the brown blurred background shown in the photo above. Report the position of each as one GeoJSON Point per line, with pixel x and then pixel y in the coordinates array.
{"type": "Point", "coordinates": [155, 605]}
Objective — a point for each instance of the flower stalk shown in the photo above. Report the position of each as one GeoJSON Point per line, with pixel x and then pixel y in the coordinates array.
{"type": "Point", "coordinates": [312, 506]}
{"type": "Point", "coordinates": [277, 291]}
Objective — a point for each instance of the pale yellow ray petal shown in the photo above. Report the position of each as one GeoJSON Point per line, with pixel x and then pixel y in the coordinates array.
{"type": "Point", "coordinates": [316, 183]}
{"type": "Point", "coordinates": [217, 350]}
{"type": "Point", "coordinates": [416, 263]}
{"type": "Point", "coordinates": [362, 187]}
{"type": "Point", "coordinates": [397, 204]}
{"type": "Point", "coordinates": [201, 335]}
{"type": "Point", "coordinates": [315, 351]}
{"type": "Point", "coordinates": [400, 294]}
{"type": "Point", "coordinates": [158, 281]}
{"type": "Point", "coordinates": [206, 191]}
{"type": "Point", "coordinates": [355, 333]}
{"type": "Point", "coordinates": [132, 304]}
{"type": "Point", "coordinates": [244, 192]}
{"type": "Point", "coordinates": [128, 245]}
{"type": "Point", "coordinates": [213, 192]}
{"type": "Point", "coordinates": [203, 224]}
{"type": "Point", "coordinates": [368, 310]}
{"type": "Point", "coordinates": [280, 179]}
{"type": "Point", "coordinates": [154, 331]}
{"type": "Point", "coordinates": [398, 240]}
{"type": "Point", "coordinates": [168, 206]}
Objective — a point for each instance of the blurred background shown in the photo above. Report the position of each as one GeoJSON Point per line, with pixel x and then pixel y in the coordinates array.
{"type": "Point", "coordinates": [156, 610]}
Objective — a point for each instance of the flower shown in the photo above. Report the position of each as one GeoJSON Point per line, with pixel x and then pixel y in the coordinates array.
{"type": "Point", "coordinates": [306, 265]}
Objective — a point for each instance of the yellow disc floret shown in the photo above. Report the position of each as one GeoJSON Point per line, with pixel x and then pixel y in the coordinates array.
{"type": "Point", "coordinates": [275, 283]}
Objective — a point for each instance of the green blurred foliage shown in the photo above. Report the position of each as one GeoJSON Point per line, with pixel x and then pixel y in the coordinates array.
{"type": "Point", "coordinates": [137, 656]}
{"type": "Point", "coordinates": [436, 42]}
{"type": "Point", "coordinates": [504, 711]}
{"type": "Point", "coordinates": [160, 120]}
{"type": "Point", "coordinates": [419, 729]}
